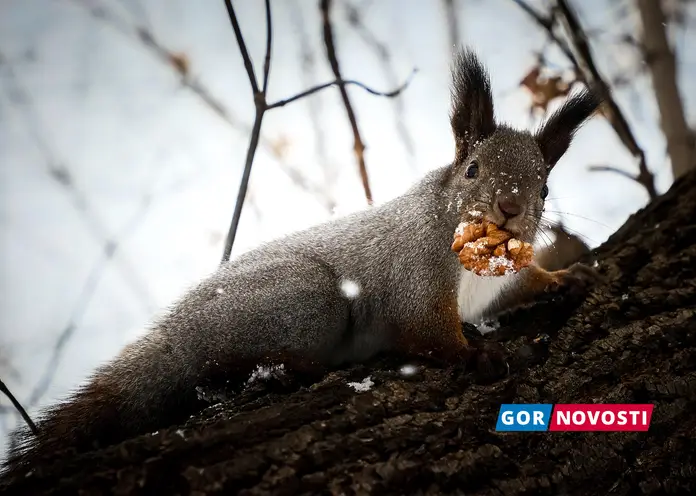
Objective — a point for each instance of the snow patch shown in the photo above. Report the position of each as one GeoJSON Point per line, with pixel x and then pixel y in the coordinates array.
{"type": "Point", "coordinates": [460, 228]}
{"type": "Point", "coordinates": [363, 386]}
{"type": "Point", "coordinates": [350, 289]}
{"type": "Point", "coordinates": [486, 326]}
{"type": "Point", "coordinates": [408, 370]}
{"type": "Point", "coordinates": [495, 262]}
{"type": "Point", "coordinates": [264, 373]}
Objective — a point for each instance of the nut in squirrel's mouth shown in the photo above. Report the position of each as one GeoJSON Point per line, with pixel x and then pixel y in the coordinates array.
{"type": "Point", "coordinates": [487, 250]}
{"type": "Point", "coordinates": [475, 216]}
{"type": "Point", "coordinates": [514, 230]}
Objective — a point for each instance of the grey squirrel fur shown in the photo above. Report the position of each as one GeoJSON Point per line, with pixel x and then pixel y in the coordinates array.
{"type": "Point", "coordinates": [284, 301]}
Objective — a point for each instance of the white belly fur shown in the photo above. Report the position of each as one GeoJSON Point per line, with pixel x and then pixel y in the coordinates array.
{"type": "Point", "coordinates": [476, 293]}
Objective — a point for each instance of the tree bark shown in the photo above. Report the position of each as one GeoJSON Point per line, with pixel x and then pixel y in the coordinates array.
{"type": "Point", "coordinates": [663, 69]}
{"type": "Point", "coordinates": [632, 339]}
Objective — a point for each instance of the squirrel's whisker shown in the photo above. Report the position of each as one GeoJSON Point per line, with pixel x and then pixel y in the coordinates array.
{"type": "Point", "coordinates": [579, 216]}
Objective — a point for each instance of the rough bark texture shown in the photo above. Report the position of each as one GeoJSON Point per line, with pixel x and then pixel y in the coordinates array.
{"type": "Point", "coordinates": [633, 339]}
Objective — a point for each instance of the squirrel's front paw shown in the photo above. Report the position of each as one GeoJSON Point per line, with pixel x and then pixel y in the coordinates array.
{"type": "Point", "coordinates": [488, 360]}
{"type": "Point", "coordinates": [577, 278]}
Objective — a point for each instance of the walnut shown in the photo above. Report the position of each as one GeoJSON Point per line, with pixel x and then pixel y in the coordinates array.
{"type": "Point", "coordinates": [466, 233]}
{"type": "Point", "coordinates": [487, 250]}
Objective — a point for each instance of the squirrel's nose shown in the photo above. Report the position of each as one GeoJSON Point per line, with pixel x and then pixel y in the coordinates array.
{"type": "Point", "coordinates": [509, 208]}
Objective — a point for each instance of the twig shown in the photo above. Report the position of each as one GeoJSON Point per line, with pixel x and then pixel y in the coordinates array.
{"type": "Point", "coordinates": [147, 39]}
{"type": "Point", "coordinates": [261, 105]}
{"type": "Point", "coordinates": [359, 146]}
{"type": "Point", "coordinates": [581, 58]}
{"type": "Point", "coordinates": [269, 39]}
{"type": "Point", "coordinates": [546, 23]}
{"type": "Point", "coordinates": [143, 34]}
{"type": "Point", "coordinates": [344, 82]}
{"type": "Point", "coordinates": [609, 168]}
{"type": "Point", "coordinates": [19, 407]}
{"type": "Point", "coordinates": [591, 75]}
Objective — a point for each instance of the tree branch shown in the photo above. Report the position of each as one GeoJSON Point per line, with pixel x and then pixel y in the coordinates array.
{"type": "Point", "coordinates": [343, 82]}
{"type": "Point", "coordinates": [662, 65]}
{"type": "Point", "coordinates": [269, 39]}
{"type": "Point", "coordinates": [580, 56]}
{"type": "Point", "coordinates": [546, 23]}
{"type": "Point", "coordinates": [19, 407]}
{"type": "Point", "coordinates": [359, 146]}
{"type": "Point", "coordinates": [147, 39]}
{"type": "Point", "coordinates": [242, 46]}
{"type": "Point", "coordinates": [610, 168]}
{"type": "Point", "coordinates": [587, 67]}
{"type": "Point", "coordinates": [262, 106]}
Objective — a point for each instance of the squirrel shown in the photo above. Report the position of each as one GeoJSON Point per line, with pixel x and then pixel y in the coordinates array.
{"type": "Point", "coordinates": [379, 280]}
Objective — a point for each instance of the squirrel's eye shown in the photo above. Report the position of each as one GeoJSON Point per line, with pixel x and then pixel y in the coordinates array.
{"type": "Point", "coordinates": [472, 170]}
{"type": "Point", "coordinates": [544, 192]}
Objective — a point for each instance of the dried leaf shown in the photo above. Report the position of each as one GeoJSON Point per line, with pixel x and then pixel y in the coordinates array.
{"type": "Point", "coordinates": [180, 62]}
{"type": "Point", "coordinates": [544, 89]}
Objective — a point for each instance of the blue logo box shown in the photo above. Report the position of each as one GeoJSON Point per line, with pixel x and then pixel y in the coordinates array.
{"type": "Point", "coordinates": [524, 418]}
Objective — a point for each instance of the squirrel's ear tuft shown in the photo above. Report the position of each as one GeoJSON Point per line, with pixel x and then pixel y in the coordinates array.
{"type": "Point", "coordinates": [472, 102]}
{"type": "Point", "coordinates": [555, 135]}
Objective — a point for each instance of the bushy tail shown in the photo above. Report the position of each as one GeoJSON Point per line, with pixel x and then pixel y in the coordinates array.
{"type": "Point", "coordinates": [147, 387]}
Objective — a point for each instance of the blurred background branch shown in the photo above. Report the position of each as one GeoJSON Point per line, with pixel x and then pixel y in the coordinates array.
{"type": "Point", "coordinates": [355, 18]}
{"type": "Point", "coordinates": [681, 144]}
{"type": "Point", "coordinates": [580, 56]}
{"type": "Point", "coordinates": [261, 106]}
{"type": "Point", "coordinates": [452, 10]}
{"type": "Point", "coordinates": [358, 145]}
{"type": "Point", "coordinates": [590, 74]}
{"type": "Point", "coordinates": [182, 65]}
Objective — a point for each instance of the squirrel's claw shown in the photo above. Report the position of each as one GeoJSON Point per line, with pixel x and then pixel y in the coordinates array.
{"type": "Point", "coordinates": [577, 277]}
